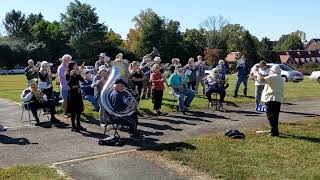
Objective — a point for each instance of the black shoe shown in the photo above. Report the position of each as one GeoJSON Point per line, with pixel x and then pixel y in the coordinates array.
{"type": "Point", "coordinates": [37, 124]}
{"type": "Point", "coordinates": [159, 113]}
{"type": "Point", "coordinates": [235, 96]}
{"type": "Point", "coordinates": [143, 97]}
{"type": "Point", "coordinates": [136, 135]}
{"type": "Point", "coordinates": [183, 112]}
{"type": "Point", "coordinates": [75, 129]}
{"type": "Point", "coordinates": [81, 128]}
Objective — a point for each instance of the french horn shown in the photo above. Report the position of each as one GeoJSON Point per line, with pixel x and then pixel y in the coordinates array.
{"type": "Point", "coordinates": [118, 71]}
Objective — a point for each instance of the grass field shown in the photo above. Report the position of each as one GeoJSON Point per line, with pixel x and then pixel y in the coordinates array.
{"type": "Point", "coordinates": [12, 86]}
{"type": "Point", "coordinates": [30, 173]}
{"type": "Point", "coordinates": [293, 155]}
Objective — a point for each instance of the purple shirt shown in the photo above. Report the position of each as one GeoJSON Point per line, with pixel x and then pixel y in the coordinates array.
{"type": "Point", "coordinates": [62, 76]}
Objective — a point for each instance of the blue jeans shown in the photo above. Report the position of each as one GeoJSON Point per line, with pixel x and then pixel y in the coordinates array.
{"type": "Point", "coordinates": [181, 97]}
{"type": "Point", "coordinates": [245, 84]}
{"type": "Point", "coordinates": [93, 101]}
{"type": "Point", "coordinates": [258, 93]}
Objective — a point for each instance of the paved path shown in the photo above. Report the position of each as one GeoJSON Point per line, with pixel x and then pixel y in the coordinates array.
{"type": "Point", "coordinates": [24, 143]}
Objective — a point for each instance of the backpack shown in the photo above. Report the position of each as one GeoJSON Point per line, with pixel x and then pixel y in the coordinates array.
{"type": "Point", "coordinates": [234, 134]}
{"type": "Point", "coordinates": [111, 141]}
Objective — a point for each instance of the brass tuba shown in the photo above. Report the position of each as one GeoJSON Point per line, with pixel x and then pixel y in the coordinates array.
{"type": "Point", "coordinates": [118, 71]}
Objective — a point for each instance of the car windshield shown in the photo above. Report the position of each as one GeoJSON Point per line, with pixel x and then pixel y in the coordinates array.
{"type": "Point", "coordinates": [286, 68]}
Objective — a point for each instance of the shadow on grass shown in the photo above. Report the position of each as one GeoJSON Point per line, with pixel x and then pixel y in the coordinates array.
{"type": "Point", "coordinates": [175, 146]}
{"type": "Point", "coordinates": [304, 138]}
{"type": "Point", "coordinates": [301, 113]}
{"type": "Point", "coordinates": [10, 140]}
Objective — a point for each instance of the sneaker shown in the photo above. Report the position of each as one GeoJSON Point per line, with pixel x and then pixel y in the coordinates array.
{"type": "Point", "coordinates": [66, 115]}
{"type": "Point", "coordinates": [235, 96]}
{"type": "Point", "coordinates": [3, 128]}
{"type": "Point", "coordinates": [211, 104]}
{"type": "Point", "coordinates": [37, 124]}
{"type": "Point", "coordinates": [258, 107]}
{"type": "Point", "coordinates": [82, 128]}
{"type": "Point", "coordinates": [102, 125]}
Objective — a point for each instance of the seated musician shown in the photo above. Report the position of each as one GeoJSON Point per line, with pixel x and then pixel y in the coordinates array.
{"type": "Point", "coordinates": [215, 84]}
{"type": "Point", "coordinates": [120, 103]}
{"type": "Point", "coordinates": [36, 99]}
{"type": "Point", "coordinates": [178, 82]}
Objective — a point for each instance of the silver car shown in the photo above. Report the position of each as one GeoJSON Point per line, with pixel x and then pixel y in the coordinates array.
{"type": "Point", "coordinates": [3, 72]}
{"type": "Point", "coordinates": [287, 73]}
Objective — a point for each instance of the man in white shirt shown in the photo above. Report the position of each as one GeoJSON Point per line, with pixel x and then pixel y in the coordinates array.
{"type": "Point", "coordinates": [273, 95]}
{"type": "Point", "coordinates": [259, 85]}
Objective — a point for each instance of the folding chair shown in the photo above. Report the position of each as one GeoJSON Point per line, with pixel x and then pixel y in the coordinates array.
{"type": "Point", "coordinates": [25, 107]}
{"type": "Point", "coordinates": [174, 99]}
{"type": "Point", "coordinates": [215, 101]}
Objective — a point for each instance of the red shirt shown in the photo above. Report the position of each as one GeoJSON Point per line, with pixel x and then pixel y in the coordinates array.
{"type": "Point", "coordinates": [157, 84]}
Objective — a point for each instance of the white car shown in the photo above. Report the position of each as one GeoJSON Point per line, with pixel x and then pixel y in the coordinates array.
{"type": "Point", "coordinates": [19, 70]}
{"type": "Point", "coordinates": [3, 72]}
{"type": "Point", "coordinates": [315, 75]}
{"type": "Point", "coordinates": [287, 73]}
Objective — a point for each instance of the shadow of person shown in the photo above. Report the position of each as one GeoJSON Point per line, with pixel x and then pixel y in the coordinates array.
{"type": "Point", "coordinates": [10, 140]}
{"type": "Point", "coordinates": [175, 146]}
{"type": "Point", "coordinates": [304, 138]}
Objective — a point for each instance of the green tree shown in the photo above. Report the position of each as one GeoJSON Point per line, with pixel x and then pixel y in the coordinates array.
{"type": "Point", "coordinates": [193, 43]}
{"type": "Point", "coordinates": [289, 41]}
{"type": "Point", "coordinates": [249, 48]}
{"type": "Point", "coordinates": [81, 23]}
{"type": "Point", "coordinates": [150, 32]}
{"type": "Point", "coordinates": [214, 37]}
{"type": "Point", "coordinates": [233, 34]}
{"type": "Point", "coordinates": [15, 25]}
{"type": "Point", "coordinates": [265, 51]}
{"type": "Point", "coordinates": [52, 35]}
{"type": "Point", "coordinates": [112, 39]}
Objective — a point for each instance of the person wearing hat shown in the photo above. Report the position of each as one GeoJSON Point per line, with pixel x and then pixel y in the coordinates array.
{"type": "Point", "coordinates": [63, 82]}
{"type": "Point", "coordinates": [103, 60]}
{"type": "Point", "coordinates": [272, 96]}
{"type": "Point", "coordinates": [119, 102]}
{"type": "Point", "coordinates": [31, 71]}
{"type": "Point", "coordinates": [178, 81]}
{"type": "Point", "coordinates": [98, 82]}
{"type": "Point", "coordinates": [259, 85]}
{"type": "Point", "coordinates": [36, 99]}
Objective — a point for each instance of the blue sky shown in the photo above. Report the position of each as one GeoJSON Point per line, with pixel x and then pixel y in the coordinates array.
{"type": "Point", "coordinates": [270, 18]}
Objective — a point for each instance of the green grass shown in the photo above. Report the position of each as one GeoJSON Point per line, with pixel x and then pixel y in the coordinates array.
{"type": "Point", "coordinates": [30, 173]}
{"type": "Point", "coordinates": [12, 86]}
{"type": "Point", "coordinates": [293, 155]}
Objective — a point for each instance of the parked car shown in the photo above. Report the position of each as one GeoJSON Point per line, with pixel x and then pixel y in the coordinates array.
{"type": "Point", "coordinates": [315, 75]}
{"type": "Point", "coordinates": [3, 72]}
{"type": "Point", "coordinates": [90, 69]}
{"type": "Point", "coordinates": [19, 70]}
{"type": "Point", "coordinates": [288, 73]}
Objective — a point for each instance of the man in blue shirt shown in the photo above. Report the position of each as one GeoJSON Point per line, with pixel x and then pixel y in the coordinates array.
{"type": "Point", "coordinates": [243, 74]}
{"type": "Point", "coordinates": [178, 82]}
{"type": "Point", "coordinates": [119, 102]}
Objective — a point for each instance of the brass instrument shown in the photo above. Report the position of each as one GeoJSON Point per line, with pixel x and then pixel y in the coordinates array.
{"type": "Point", "coordinates": [118, 71]}
{"type": "Point", "coordinates": [38, 94]}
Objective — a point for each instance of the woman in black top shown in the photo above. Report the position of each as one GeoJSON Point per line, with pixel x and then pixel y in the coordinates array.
{"type": "Point", "coordinates": [75, 103]}
{"type": "Point", "coordinates": [136, 76]}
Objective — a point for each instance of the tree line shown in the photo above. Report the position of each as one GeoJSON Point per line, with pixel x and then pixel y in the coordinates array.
{"type": "Point", "coordinates": [80, 34]}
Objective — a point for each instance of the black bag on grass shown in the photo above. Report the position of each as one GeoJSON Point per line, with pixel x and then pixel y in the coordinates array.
{"type": "Point", "coordinates": [234, 134]}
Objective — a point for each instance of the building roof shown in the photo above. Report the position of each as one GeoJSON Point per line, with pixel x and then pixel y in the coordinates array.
{"type": "Point", "coordinates": [315, 40]}
{"type": "Point", "coordinates": [299, 56]}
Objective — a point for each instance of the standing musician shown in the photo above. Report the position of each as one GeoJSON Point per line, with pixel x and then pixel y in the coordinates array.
{"type": "Point", "coordinates": [46, 78]}
{"type": "Point", "coordinates": [31, 71]}
{"type": "Point", "coordinates": [35, 100]}
{"type": "Point", "coordinates": [178, 81]}
{"type": "Point", "coordinates": [75, 103]}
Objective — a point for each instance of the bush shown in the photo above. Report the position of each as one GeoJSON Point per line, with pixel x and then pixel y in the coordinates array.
{"type": "Point", "coordinates": [307, 68]}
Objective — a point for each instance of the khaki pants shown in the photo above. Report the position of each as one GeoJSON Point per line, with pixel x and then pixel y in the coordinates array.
{"type": "Point", "coordinates": [200, 81]}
